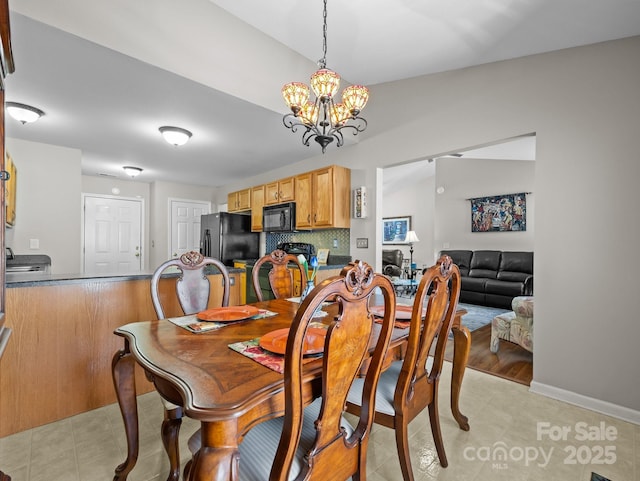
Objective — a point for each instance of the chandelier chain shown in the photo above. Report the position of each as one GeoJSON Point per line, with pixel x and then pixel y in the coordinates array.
{"type": "Point", "coordinates": [322, 63]}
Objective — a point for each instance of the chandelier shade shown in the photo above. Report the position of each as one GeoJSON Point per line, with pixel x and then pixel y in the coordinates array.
{"type": "Point", "coordinates": [355, 98]}
{"type": "Point", "coordinates": [296, 95]}
{"type": "Point", "coordinates": [325, 83]}
{"type": "Point", "coordinates": [322, 119]}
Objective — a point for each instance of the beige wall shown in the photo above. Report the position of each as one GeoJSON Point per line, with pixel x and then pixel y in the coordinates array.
{"type": "Point", "coordinates": [583, 106]}
{"type": "Point", "coordinates": [463, 179]}
{"type": "Point", "coordinates": [415, 199]}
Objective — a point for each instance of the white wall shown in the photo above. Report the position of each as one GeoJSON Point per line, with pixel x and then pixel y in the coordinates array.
{"type": "Point", "coordinates": [47, 203]}
{"type": "Point", "coordinates": [463, 179]}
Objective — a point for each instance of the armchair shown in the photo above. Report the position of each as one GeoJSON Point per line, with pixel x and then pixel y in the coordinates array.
{"type": "Point", "coordinates": [392, 262]}
{"type": "Point", "coordinates": [515, 326]}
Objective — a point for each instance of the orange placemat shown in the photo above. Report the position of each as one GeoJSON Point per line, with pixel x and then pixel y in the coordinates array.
{"type": "Point", "coordinates": [252, 350]}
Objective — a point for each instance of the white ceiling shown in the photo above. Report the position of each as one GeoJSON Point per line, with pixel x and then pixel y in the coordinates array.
{"type": "Point", "coordinates": [108, 74]}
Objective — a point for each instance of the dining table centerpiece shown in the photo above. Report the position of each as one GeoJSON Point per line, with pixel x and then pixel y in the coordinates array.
{"type": "Point", "coordinates": [313, 262]}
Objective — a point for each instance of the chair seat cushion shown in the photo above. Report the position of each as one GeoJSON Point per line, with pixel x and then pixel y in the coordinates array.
{"type": "Point", "coordinates": [386, 388]}
{"type": "Point", "coordinates": [258, 449]}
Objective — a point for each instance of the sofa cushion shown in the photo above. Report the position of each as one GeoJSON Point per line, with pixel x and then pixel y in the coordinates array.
{"type": "Point", "coordinates": [513, 276]}
{"type": "Point", "coordinates": [485, 264]}
{"type": "Point", "coordinates": [474, 284]}
{"type": "Point", "coordinates": [517, 262]}
{"type": "Point", "coordinates": [503, 288]}
{"type": "Point", "coordinates": [461, 258]}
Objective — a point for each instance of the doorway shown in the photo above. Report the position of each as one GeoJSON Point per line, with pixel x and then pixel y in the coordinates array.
{"type": "Point", "coordinates": [184, 224]}
{"type": "Point", "coordinates": [112, 234]}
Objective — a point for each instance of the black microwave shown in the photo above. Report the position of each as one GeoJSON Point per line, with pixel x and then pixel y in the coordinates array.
{"type": "Point", "coordinates": [279, 218]}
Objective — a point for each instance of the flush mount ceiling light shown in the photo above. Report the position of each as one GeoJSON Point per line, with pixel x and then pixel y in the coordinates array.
{"type": "Point", "coordinates": [23, 113]}
{"type": "Point", "coordinates": [323, 119]}
{"type": "Point", "coordinates": [132, 171]}
{"type": "Point", "coordinates": [175, 135]}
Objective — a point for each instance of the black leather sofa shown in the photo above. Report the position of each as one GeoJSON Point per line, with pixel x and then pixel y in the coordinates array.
{"type": "Point", "coordinates": [493, 278]}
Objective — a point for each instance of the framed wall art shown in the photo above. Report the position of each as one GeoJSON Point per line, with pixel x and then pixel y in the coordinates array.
{"type": "Point", "coordinates": [394, 229]}
{"type": "Point", "coordinates": [10, 191]}
{"type": "Point", "coordinates": [499, 213]}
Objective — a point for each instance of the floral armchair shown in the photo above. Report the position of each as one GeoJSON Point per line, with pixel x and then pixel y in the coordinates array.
{"type": "Point", "coordinates": [515, 326]}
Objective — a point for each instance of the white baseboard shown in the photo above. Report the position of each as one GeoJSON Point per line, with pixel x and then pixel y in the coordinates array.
{"type": "Point", "coordinates": [597, 405]}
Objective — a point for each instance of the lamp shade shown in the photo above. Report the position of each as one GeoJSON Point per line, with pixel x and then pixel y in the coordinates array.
{"type": "Point", "coordinates": [175, 135]}
{"type": "Point", "coordinates": [411, 237]}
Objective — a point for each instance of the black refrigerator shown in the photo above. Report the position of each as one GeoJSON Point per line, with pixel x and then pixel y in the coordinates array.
{"type": "Point", "coordinates": [228, 236]}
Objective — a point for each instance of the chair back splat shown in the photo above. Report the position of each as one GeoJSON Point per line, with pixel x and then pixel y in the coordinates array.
{"type": "Point", "coordinates": [280, 275]}
{"type": "Point", "coordinates": [335, 454]}
{"type": "Point", "coordinates": [409, 386]}
{"type": "Point", "coordinates": [192, 286]}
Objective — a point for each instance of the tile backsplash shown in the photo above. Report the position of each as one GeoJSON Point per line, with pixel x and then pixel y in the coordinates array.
{"type": "Point", "coordinates": [321, 239]}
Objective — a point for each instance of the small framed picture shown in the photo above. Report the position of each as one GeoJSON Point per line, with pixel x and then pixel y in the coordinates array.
{"type": "Point", "coordinates": [394, 229]}
{"type": "Point", "coordinates": [323, 255]}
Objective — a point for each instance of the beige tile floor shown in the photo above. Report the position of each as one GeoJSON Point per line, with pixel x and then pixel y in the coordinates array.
{"type": "Point", "coordinates": [505, 420]}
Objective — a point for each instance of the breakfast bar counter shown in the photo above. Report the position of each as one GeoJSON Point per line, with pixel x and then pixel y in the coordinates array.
{"type": "Point", "coordinates": [58, 361]}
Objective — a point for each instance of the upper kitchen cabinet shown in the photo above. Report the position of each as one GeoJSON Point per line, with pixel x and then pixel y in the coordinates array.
{"type": "Point", "coordinates": [239, 201]}
{"type": "Point", "coordinates": [323, 198]}
{"type": "Point", "coordinates": [280, 191]}
{"type": "Point", "coordinates": [257, 203]}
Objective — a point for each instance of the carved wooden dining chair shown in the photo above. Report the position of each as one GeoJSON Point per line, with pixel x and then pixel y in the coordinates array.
{"type": "Point", "coordinates": [410, 385]}
{"type": "Point", "coordinates": [192, 291]}
{"type": "Point", "coordinates": [316, 442]}
{"type": "Point", "coordinates": [280, 275]}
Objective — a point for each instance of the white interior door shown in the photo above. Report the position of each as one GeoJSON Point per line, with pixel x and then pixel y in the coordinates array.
{"type": "Point", "coordinates": [185, 225]}
{"type": "Point", "coordinates": [112, 235]}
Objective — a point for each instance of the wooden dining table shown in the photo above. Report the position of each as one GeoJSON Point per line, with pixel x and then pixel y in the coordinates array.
{"type": "Point", "coordinates": [226, 391]}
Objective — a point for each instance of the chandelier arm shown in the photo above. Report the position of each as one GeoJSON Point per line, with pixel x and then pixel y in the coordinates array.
{"type": "Point", "coordinates": [359, 125]}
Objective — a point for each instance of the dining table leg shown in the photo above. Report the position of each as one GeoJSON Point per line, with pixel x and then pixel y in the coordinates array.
{"type": "Point", "coordinates": [218, 457]}
{"type": "Point", "coordinates": [123, 371]}
{"type": "Point", "coordinates": [461, 347]}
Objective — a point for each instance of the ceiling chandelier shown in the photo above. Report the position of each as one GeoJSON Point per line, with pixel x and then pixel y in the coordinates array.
{"type": "Point", "coordinates": [324, 119]}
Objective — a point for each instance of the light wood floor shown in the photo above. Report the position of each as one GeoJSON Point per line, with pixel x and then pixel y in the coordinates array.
{"type": "Point", "coordinates": [510, 362]}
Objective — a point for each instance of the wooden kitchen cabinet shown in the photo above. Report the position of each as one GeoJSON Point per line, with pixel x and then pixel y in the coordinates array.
{"type": "Point", "coordinates": [239, 201]}
{"type": "Point", "coordinates": [257, 203]}
{"type": "Point", "coordinates": [323, 198]}
{"type": "Point", "coordinates": [280, 191]}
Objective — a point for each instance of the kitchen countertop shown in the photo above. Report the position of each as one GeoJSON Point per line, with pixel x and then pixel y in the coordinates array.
{"type": "Point", "coordinates": [33, 279]}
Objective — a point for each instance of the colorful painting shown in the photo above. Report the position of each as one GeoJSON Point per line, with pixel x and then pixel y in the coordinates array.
{"type": "Point", "coordinates": [394, 229]}
{"type": "Point", "coordinates": [500, 213]}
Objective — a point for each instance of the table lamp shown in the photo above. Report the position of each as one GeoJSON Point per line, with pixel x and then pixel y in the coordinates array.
{"type": "Point", "coordinates": [410, 238]}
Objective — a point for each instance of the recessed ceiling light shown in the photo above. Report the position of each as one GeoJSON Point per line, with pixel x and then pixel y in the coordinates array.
{"type": "Point", "coordinates": [132, 171]}
{"type": "Point", "coordinates": [23, 113]}
{"type": "Point", "coordinates": [175, 135]}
